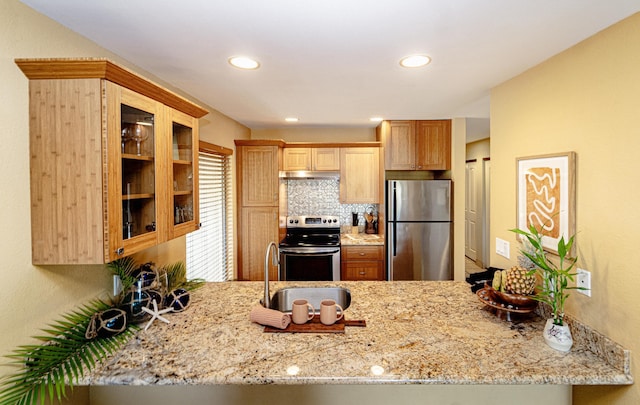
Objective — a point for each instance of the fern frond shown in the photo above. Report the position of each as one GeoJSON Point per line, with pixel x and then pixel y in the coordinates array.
{"type": "Point", "coordinates": [47, 369]}
{"type": "Point", "coordinates": [177, 277]}
{"type": "Point", "coordinates": [123, 268]}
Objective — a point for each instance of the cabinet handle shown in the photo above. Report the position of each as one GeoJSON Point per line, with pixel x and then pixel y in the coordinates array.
{"type": "Point", "coordinates": [361, 253]}
{"type": "Point", "coordinates": [120, 251]}
{"type": "Point", "coordinates": [362, 273]}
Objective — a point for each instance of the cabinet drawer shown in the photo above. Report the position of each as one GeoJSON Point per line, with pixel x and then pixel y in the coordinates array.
{"type": "Point", "coordinates": [375, 252]}
{"type": "Point", "coordinates": [362, 270]}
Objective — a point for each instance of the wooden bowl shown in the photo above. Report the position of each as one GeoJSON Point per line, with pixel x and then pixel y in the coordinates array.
{"type": "Point", "coordinates": [517, 300]}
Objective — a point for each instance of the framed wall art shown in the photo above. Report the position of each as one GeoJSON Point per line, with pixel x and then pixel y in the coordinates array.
{"type": "Point", "coordinates": [546, 196]}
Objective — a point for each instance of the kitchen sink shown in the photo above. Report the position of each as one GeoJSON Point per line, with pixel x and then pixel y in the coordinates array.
{"type": "Point", "coordinates": [282, 299]}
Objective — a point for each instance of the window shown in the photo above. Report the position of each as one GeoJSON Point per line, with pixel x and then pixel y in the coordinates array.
{"type": "Point", "coordinates": [210, 249]}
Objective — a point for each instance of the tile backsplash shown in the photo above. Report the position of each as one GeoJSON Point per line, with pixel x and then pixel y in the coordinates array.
{"type": "Point", "coordinates": [322, 197]}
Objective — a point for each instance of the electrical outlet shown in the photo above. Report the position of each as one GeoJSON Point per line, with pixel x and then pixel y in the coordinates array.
{"type": "Point", "coordinates": [584, 280]}
{"type": "Point", "coordinates": [502, 247]}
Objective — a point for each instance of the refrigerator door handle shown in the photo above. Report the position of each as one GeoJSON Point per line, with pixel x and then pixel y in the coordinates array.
{"type": "Point", "coordinates": [393, 218]}
{"type": "Point", "coordinates": [393, 201]}
{"type": "Point", "coordinates": [394, 234]}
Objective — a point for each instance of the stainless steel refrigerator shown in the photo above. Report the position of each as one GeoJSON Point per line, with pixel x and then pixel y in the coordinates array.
{"type": "Point", "coordinates": [419, 230]}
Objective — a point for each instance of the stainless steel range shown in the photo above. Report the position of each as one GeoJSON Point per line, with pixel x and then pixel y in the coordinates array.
{"type": "Point", "coordinates": [311, 249]}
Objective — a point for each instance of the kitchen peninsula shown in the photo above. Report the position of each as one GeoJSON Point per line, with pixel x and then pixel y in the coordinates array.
{"type": "Point", "coordinates": [417, 332]}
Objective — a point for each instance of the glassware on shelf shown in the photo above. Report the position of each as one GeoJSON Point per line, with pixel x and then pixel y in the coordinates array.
{"type": "Point", "coordinates": [126, 136]}
{"type": "Point", "coordinates": [183, 214]}
{"type": "Point", "coordinates": [128, 223]}
{"type": "Point", "coordinates": [139, 134]}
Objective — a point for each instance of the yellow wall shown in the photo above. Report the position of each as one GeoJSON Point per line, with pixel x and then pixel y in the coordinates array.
{"type": "Point", "coordinates": [479, 149]}
{"type": "Point", "coordinates": [317, 134]}
{"type": "Point", "coordinates": [458, 152]}
{"type": "Point", "coordinates": [33, 296]}
{"type": "Point", "coordinates": [587, 100]}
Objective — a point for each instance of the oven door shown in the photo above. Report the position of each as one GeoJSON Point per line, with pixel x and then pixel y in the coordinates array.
{"type": "Point", "coordinates": [310, 263]}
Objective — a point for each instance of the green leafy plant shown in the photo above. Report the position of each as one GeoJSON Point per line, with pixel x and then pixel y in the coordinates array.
{"type": "Point", "coordinates": [61, 360]}
{"type": "Point", "coordinates": [123, 268]}
{"type": "Point", "coordinates": [555, 277]}
{"type": "Point", "coordinates": [66, 351]}
{"type": "Point", "coordinates": [177, 277]}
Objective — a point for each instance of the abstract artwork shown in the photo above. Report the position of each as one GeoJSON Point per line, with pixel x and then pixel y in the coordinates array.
{"type": "Point", "coordinates": [546, 196]}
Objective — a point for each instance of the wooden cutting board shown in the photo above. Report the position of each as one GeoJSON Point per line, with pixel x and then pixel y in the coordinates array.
{"type": "Point", "coordinates": [315, 326]}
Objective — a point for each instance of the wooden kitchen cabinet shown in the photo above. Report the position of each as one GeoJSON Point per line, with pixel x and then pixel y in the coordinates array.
{"type": "Point", "coordinates": [416, 145]}
{"type": "Point", "coordinates": [257, 166]}
{"type": "Point", "coordinates": [321, 159]}
{"type": "Point", "coordinates": [112, 156]}
{"type": "Point", "coordinates": [362, 262]}
{"type": "Point", "coordinates": [258, 227]}
{"type": "Point", "coordinates": [258, 175]}
{"type": "Point", "coordinates": [360, 175]}
{"type": "Point", "coordinates": [183, 174]}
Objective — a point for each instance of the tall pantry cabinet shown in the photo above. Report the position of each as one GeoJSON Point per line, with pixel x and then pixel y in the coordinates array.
{"type": "Point", "coordinates": [258, 164]}
{"type": "Point", "coordinates": [113, 161]}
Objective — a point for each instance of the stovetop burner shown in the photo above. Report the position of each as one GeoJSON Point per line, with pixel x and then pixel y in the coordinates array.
{"type": "Point", "coordinates": [311, 231]}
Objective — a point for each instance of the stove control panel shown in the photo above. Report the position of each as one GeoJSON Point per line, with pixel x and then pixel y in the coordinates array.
{"type": "Point", "coordinates": [313, 221]}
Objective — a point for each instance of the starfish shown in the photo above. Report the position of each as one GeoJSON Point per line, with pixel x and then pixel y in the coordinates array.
{"type": "Point", "coordinates": [155, 314]}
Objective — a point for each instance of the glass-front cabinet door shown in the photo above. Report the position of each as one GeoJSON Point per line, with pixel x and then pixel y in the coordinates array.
{"type": "Point", "coordinates": [133, 172]}
{"type": "Point", "coordinates": [138, 172]}
{"type": "Point", "coordinates": [184, 173]}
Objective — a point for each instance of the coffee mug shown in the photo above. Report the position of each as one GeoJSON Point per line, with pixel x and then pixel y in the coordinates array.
{"type": "Point", "coordinates": [329, 312]}
{"type": "Point", "coordinates": [300, 312]}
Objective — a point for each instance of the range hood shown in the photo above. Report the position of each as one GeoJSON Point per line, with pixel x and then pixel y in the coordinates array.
{"type": "Point", "coordinates": [309, 174]}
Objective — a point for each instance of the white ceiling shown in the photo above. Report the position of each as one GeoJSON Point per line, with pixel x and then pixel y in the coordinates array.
{"type": "Point", "coordinates": [335, 62]}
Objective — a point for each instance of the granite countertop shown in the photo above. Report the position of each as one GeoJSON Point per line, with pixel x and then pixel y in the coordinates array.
{"type": "Point", "coordinates": [417, 332]}
{"type": "Point", "coordinates": [361, 239]}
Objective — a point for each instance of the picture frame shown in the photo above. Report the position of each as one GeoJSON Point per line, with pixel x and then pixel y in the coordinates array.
{"type": "Point", "coordinates": [546, 196]}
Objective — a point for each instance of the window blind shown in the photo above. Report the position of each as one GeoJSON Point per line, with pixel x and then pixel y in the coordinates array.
{"type": "Point", "coordinates": [210, 249]}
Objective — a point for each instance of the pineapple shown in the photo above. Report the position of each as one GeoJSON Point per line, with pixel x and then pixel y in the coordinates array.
{"type": "Point", "coordinates": [518, 281]}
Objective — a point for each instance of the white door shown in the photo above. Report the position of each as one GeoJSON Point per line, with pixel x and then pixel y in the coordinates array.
{"type": "Point", "coordinates": [471, 211]}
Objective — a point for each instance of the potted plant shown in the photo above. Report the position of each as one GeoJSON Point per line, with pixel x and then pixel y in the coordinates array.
{"type": "Point", "coordinates": [555, 283]}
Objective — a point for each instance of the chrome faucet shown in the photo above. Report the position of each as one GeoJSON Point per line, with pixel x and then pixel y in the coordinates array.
{"type": "Point", "coordinates": [272, 249]}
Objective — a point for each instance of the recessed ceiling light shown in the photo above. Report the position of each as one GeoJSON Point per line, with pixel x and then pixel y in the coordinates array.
{"type": "Point", "coordinates": [414, 61]}
{"type": "Point", "coordinates": [291, 119]}
{"type": "Point", "coordinates": [376, 119]}
{"type": "Point", "coordinates": [244, 62]}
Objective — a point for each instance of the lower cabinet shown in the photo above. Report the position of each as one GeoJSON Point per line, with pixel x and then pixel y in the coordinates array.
{"type": "Point", "coordinates": [362, 262]}
{"type": "Point", "coordinates": [259, 227]}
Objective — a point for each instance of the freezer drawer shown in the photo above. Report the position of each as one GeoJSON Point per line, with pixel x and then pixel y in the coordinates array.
{"type": "Point", "coordinates": [419, 251]}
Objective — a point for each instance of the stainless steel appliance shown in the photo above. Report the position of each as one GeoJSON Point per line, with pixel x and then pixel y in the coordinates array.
{"type": "Point", "coordinates": [311, 249]}
{"type": "Point", "coordinates": [419, 230]}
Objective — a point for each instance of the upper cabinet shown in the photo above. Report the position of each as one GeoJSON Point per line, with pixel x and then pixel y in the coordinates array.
{"type": "Point", "coordinates": [416, 145]}
{"type": "Point", "coordinates": [183, 173]}
{"type": "Point", "coordinates": [360, 175]}
{"type": "Point", "coordinates": [113, 161]}
{"type": "Point", "coordinates": [320, 159]}
{"type": "Point", "coordinates": [258, 168]}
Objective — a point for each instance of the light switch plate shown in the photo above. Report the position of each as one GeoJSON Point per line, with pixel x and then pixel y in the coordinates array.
{"type": "Point", "coordinates": [502, 248]}
{"type": "Point", "coordinates": [117, 285]}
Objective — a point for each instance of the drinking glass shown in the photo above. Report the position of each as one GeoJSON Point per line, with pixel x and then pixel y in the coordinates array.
{"type": "Point", "coordinates": [126, 136]}
{"type": "Point", "coordinates": [139, 135]}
